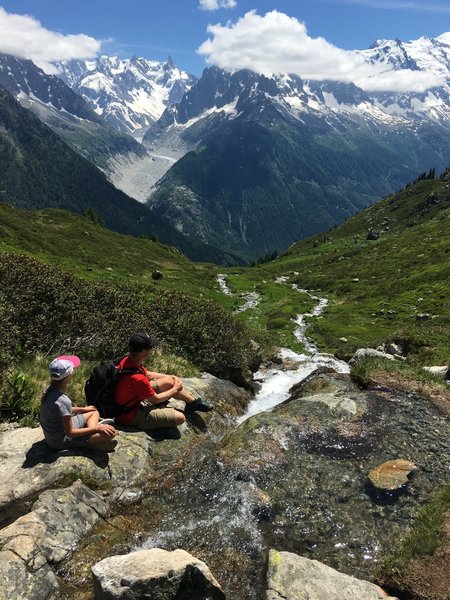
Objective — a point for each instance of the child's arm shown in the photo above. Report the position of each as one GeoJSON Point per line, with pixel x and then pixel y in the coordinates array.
{"type": "Point", "coordinates": [76, 410]}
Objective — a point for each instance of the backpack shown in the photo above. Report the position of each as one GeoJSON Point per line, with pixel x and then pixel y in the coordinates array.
{"type": "Point", "coordinates": [101, 386]}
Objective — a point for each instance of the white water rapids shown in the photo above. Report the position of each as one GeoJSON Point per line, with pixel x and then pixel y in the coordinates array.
{"type": "Point", "coordinates": [277, 381]}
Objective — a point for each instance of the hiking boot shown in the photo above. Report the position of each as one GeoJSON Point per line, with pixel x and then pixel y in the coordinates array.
{"type": "Point", "coordinates": [199, 405]}
{"type": "Point", "coordinates": [106, 422]}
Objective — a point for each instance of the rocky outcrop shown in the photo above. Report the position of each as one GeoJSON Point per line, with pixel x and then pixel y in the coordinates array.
{"type": "Point", "coordinates": [439, 371]}
{"type": "Point", "coordinates": [372, 353]}
{"type": "Point", "coordinates": [292, 577]}
{"type": "Point", "coordinates": [59, 520]}
{"type": "Point", "coordinates": [28, 466]}
{"type": "Point", "coordinates": [311, 456]}
{"type": "Point", "coordinates": [155, 574]}
{"type": "Point", "coordinates": [43, 526]}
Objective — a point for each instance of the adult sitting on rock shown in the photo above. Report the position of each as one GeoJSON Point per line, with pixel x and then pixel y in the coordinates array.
{"type": "Point", "coordinates": [145, 394]}
{"type": "Point", "coordinates": [66, 426]}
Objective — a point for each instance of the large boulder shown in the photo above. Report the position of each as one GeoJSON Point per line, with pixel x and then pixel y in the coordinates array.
{"type": "Point", "coordinates": [293, 577]}
{"type": "Point", "coordinates": [28, 466]}
{"type": "Point", "coordinates": [48, 534]}
{"type": "Point", "coordinates": [155, 574]}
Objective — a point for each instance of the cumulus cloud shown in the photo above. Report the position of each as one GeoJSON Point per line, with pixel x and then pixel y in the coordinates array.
{"type": "Point", "coordinates": [24, 36]}
{"type": "Point", "coordinates": [216, 4]}
{"type": "Point", "coordinates": [277, 43]}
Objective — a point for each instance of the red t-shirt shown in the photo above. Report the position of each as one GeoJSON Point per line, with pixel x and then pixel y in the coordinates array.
{"type": "Point", "coordinates": [132, 387]}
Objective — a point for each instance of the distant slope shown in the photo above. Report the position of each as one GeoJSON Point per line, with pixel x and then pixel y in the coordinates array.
{"type": "Point", "coordinates": [38, 170]}
{"type": "Point", "coordinates": [394, 287]}
{"type": "Point", "coordinates": [69, 115]}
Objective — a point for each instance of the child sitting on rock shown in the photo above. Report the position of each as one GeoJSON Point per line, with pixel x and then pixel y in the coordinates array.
{"type": "Point", "coordinates": [66, 426]}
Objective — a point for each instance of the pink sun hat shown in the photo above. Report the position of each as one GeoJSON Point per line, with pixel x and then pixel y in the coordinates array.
{"type": "Point", "coordinates": [63, 366]}
{"type": "Point", "coordinates": [72, 358]}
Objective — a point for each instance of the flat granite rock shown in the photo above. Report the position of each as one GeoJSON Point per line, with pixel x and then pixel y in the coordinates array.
{"type": "Point", "coordinates": [28, 466]}
{"type": "Point", "coordinates": [392, 475]}
{"type": "Point", "coordinates": [155, 573]}
{"type": "Point", "coordinates": [48, 534]}
{"type": "Point", "coordinates": [292, 577]}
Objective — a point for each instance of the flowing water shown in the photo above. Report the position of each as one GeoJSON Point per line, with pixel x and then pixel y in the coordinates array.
{"type": "Point", "coordinates": [222, 523]}
{"type": "Point", "coordinates": [295, 481]}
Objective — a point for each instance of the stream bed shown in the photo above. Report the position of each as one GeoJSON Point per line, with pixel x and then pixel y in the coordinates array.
{"type": "Point", "coordinates": [291, 474]}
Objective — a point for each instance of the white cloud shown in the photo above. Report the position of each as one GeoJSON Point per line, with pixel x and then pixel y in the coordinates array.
{"type": "Point", "coordinates": [277, 43]}
{"type": "Point", "coordinates": [24, 36]}
{"type": "Point", "coordinates": [216, 4]}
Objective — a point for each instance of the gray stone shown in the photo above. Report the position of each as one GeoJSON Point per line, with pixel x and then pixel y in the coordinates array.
{"type": "Point", "coordinates": [369, 353]}
{"type": "Point", "coordinates": [28, 466]}
{"type": "Point", "coordinates": [439, 371]}
{"type": "Point", "coordinates": [226, 397]}
{"type": "Point", "coordinates": [60, 519]}
{"type": "Point", "coordinates": [292, 577]}
{"type": "Point", "coordinates": [154, 573]}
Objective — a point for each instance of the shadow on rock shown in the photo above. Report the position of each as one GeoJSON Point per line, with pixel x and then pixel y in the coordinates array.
{"type": "Point", "coordinates": [165, 433]}
{"type": "Point", "coordinates": [196, 422]}
{"type": "Point", "coordinates": [41, 453]}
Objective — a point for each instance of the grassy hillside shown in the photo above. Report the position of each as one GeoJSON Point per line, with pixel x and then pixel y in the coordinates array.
{"type": "Point", "coordinates": [393, 286]}
{"type": "Point", "coordinates": [386, 272]}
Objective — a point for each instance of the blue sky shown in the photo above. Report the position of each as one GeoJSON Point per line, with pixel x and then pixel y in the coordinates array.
{"type": "Point", "coordinates": [156, 28]}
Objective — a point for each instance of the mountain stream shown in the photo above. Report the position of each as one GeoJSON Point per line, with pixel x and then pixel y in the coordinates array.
{"type": "Point", "coordinates": [292, 475]}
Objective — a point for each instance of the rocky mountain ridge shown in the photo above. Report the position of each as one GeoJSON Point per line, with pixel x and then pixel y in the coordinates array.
{"type": "Point", "coordinates": [129, 94]}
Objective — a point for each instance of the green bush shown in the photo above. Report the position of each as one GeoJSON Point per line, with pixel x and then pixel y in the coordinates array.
{"type": "Point", "coordinates": [51, 311]}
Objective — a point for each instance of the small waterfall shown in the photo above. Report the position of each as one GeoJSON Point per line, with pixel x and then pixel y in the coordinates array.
{"type": "Point", "coordinates": [277, 382]}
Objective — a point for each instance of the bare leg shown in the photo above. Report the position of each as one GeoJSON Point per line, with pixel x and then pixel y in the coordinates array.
{"type": "Point", "coordinates": [165, 383]}
{"type": "Point", "coordinates": [97, 438]}
{"type": "Point", "coordinates": [93, 419]}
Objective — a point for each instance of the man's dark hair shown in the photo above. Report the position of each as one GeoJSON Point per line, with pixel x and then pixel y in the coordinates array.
{"type": "Point", "coordinates": [142, 341]}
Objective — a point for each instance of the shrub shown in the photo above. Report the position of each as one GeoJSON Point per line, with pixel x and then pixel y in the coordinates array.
{"type": "Point", "coordinates": [17, 395]}
{"type": "Point", "coordinates": [48, 310]}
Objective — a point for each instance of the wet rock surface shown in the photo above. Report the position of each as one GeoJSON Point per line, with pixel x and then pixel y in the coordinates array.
{"type": "Point", "coordinates": [292, 577]}
{"type": "Point", "coordinates": [294, 478]}
{"type": "Point", "coordinates": [312, 454]}
{"type": "Point", "coordinates": [155, 574]}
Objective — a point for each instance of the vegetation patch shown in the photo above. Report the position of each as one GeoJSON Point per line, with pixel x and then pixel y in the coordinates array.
{"type": "Point", "coordinates": [48, 311]}
{"type": "Point", "coordinates": [427, 543]}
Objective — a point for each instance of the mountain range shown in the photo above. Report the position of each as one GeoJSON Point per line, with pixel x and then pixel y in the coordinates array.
{"type": "Point", "coordinates": [275, 159]}
{"type": "Point", "coordinates": [128, 94]}
{"type": "Point", "coordinates": [241, 161]}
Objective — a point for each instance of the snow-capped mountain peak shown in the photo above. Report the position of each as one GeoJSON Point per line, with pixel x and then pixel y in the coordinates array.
{"type": "Point", "coordinates": [129, 94]}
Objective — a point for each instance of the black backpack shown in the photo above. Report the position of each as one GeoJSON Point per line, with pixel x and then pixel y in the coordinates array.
{"type": "Point", "coordinates": [101, 386]}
